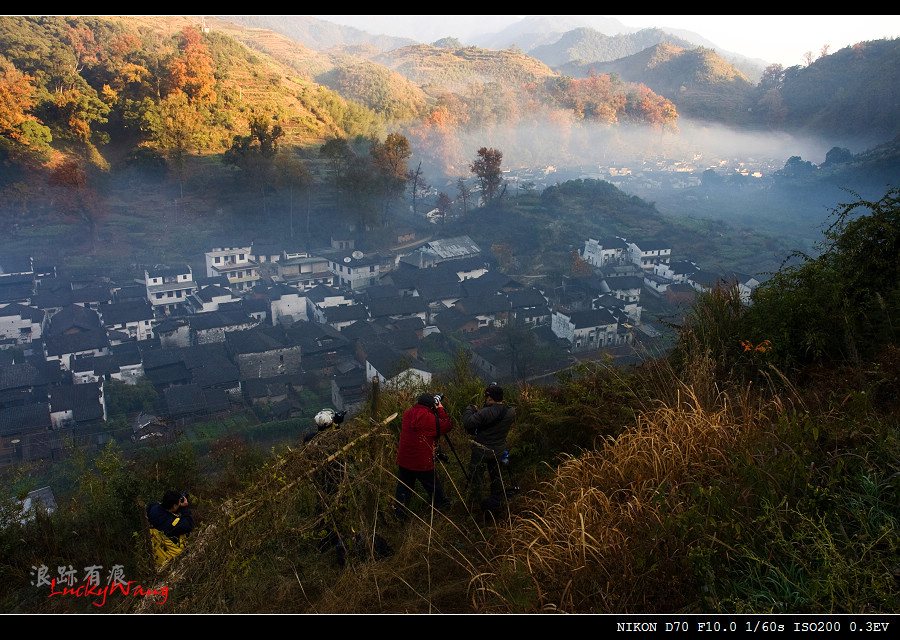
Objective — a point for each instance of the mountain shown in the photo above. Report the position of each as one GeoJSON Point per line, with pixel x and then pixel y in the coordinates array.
{"type": "Point", "coordinates": [750, 67]}
{"type": "Point", "coordinates": [589, 45]}
{"type": "Point", "coordinates": [439, 69]}
{"type": "Point", "coordinates": [319, 34]}
{"type": "Point", "coordinates": [426, 28]}
{"type": "Point", "coordinates": [852, 93]}
{"type": "Point", "coordinates": [699, 81]}
{"type": "Point", "coordinates": [534, 31]}
{"type": "Point", "coordinates": [353, 76]}
{"type": "Point", "coordinates": [103, 87]}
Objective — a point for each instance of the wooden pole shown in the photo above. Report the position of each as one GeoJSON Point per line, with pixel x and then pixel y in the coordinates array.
{"type": "Point", "coordinates": [376, 383]}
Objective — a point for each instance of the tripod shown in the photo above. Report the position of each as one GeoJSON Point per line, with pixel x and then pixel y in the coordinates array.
{"type": "Point", "coordinates": [458, 460]}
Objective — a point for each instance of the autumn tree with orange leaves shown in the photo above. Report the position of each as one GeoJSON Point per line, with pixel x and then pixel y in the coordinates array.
{"type": "Point", "coordinates": [192, 71]}
{"type": "Point", "coordinates": [16, 101]}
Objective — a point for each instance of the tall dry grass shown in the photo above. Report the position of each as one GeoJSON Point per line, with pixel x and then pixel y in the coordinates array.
{"type": "Point", "coordinates": [595, 538]}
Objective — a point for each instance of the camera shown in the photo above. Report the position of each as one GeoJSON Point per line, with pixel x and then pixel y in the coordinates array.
{"type": "Point", "coordinates": [438, 398]}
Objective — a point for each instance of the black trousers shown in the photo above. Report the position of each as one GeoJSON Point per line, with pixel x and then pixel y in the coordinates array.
{"type": "Point", "coordinates": [484, 457]}
{"type": "Point", "coordinates": [406, 482]}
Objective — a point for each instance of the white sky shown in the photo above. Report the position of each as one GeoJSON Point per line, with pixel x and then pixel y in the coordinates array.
{"type": "Point", "coordinates": [781, 39]}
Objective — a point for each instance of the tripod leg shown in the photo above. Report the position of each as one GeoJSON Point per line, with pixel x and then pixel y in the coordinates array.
{"type": "Point", "coordinates": [458, 460]}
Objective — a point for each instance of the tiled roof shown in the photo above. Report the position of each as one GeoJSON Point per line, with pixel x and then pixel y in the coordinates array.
{"type": "Point", "coordinates": [592, 318]}
{"type": "Point", "coordinates": [24, 419]}
{"type": "Point", "coordinates": [125, 312]}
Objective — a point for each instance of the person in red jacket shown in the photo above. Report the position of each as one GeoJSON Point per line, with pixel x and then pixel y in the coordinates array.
{"type": "Point", "coordinates": [422, 426]}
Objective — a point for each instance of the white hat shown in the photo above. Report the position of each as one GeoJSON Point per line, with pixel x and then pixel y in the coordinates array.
{"type": "Point", "coordinates": [325, 417]}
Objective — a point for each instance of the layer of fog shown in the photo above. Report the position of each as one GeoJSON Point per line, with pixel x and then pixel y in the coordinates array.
{"type": "Point", "coordinates": [563, 142]}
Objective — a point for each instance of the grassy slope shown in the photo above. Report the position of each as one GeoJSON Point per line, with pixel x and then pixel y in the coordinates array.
{"type": "Point", "coordinates": [354, 77]}
{"type": "Point", "coordinates": [439, 69]}
{"type": "Point", "coordinates": [670, 496]}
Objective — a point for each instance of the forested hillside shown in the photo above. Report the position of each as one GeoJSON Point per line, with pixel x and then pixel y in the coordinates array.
{"type": "Point", "coordinates": [102, 88]}
{"type": "Point", "coordinates": [700, 83]}
{"type": "Point", "coordinates": [853, 92]}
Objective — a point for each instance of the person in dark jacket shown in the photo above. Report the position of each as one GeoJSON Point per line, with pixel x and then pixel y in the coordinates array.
{"type": "Point", "coordinates": [423, 424]}
{"type": "Point", "coordinates": [488, 427]}
{"type": "Point", "coordinates": [170, 521]}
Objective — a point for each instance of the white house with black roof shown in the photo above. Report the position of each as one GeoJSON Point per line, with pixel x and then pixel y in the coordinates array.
{"type": "Point", "coordinates": [587, 330]}
{"type": "Point", "coordinates": [263, 352]}
{"type": "Point", "coordinates": [134, 318]}
{"type": "Point", "coordinates": [604, 251]}
{"type": "Point", "coordinates": [355, 270]}
{"type": "Point", "coordinates": [322, 297]}
{"type": "Point", "coordinates": [63, 348]}
{"type": "Point", "coordinates": [619, 308]}
{"type": "Point", "coordinates": [20, 325]}
{"type": "Point", "coordinates": [677, 271]}
{"type": "Point", "coordinates": [125, 367]}
{"type": "Point", "coordinates": [529, 307]}
{"type": "Point", "coordinates": [92, 295]}
{"type": "Point", "coordinates": [287, 305]}
{"type": "Point", "coordinates": [212, 326]}
{"type": "Point", "coordinates": [344, 316]}
{"type": "Point", "coordinates": [625, 288]}
{"type": "Point", "coordinates": [304, 272]}
{"type": "Point", "coordinates": [11, 265]}
{"type": "Point", "coordinates": [399, 308]}
{"type": "Point", "coordinates": [490, 310]}
{"type": "Point", "coordinates": [168, 288]}
{"type": "Point", "coordinates": [77, 405]}
{"type": "Point", "coordinates": [646, 254]}
{"type": "Point", "coordinates": [236, 264]}
{"type": "Point", "coordinates": [209, 298]}
{"type": "Point", "coordinates": [656, 283]}
{"type": "Point", "coordinates": [394, 368]}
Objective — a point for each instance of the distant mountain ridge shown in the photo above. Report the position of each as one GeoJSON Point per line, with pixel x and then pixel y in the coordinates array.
{"type": "Point", "coordinates": [533, 31]}
{"type": "Point", "coordinates": [589, 45]}
{"type": "Point", "coordinates": [536, 31]}
{"type": "Point", "coordinates": [319, 34]}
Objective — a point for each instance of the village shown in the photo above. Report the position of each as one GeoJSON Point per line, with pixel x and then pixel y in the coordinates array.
{"type": "Point", "coordinates": [285, 332]}
{"type": "Point", "coordinates": [651, 174]}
